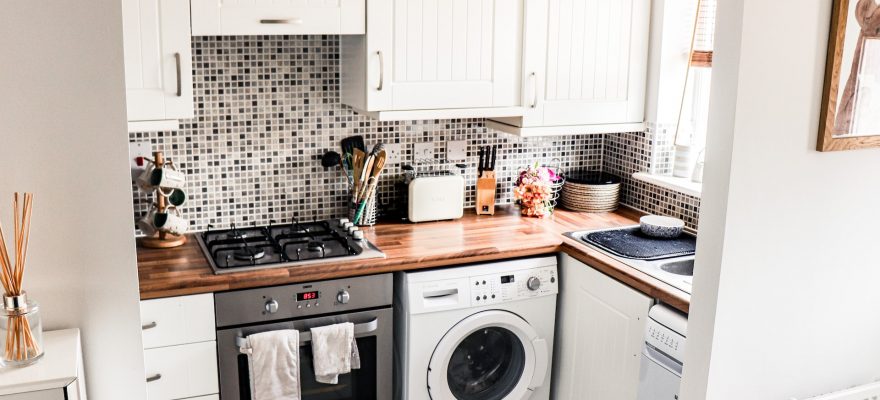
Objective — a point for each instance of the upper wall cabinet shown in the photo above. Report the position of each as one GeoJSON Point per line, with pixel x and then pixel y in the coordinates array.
{"type": "Point", "coordinates": [423, 59]}
{"type": "Point", "coordinates": [278, 17]}
{"type": "Point", "coordinates": [585, 67]}
{"type": "Point", "coordinates": [158, 61]}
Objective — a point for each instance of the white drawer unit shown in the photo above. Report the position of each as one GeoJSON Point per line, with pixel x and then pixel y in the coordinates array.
{"type": "Point", "coordinates": [180, 356]}
{"type": "Point", "coordinates": [178, 320]}
{"type": "Point", "coordinates": [178, 372]}
{"type": "Point", "coordinates": [278, 17]}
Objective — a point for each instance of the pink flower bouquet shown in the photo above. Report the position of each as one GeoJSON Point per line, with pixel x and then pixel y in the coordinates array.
{"type": "Point", "coordinates": [535, 190]}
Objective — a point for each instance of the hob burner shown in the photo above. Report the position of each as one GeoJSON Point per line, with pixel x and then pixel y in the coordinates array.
{"type": "Point", "coordinates": [247, 253]}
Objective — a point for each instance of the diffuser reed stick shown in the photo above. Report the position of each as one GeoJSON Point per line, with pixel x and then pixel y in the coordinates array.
{"type": "Point", "coordinates": [20, 342]}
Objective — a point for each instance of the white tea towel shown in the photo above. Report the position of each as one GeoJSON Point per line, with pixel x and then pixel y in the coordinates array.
{"type": "Point", "coordinates": [274, 365]}
{"type": "Point", "coordinates": [334, 352]}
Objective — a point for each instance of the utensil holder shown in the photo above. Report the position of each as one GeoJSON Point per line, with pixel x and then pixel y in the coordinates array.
{"type": "Point", "coordinates": [22, 329]}
{"type": "Point", "coordinates": [486, 190]}
{"type": "Point", "coordinates": [368, 216]}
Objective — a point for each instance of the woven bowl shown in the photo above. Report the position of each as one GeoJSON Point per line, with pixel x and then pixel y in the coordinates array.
{"type": "Point", "coordinates": [590, 191]}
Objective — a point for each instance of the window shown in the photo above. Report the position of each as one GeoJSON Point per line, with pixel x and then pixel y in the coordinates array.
{"type": "Point", "coordinates": [695, 105]}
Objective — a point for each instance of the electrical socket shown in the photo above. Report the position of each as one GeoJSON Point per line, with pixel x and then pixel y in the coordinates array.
{"type": "Point", "coordinates": [393, 153]}
{"type": "Point", "coordinates": [136, 151]}
{"type": "Point", "coordinates": [423, 151]}
{"type": "Point", "coordinates": [456, 150]}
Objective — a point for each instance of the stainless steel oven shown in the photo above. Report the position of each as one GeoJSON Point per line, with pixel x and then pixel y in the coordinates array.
{"type": "Point", "coordinates": [364, 301]}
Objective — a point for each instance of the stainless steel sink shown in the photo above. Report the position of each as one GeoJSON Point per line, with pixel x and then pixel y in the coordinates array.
{"type": "Point", "coordinates": [677, 271]}
{"type": "Point", "coordinates": [681, 267]}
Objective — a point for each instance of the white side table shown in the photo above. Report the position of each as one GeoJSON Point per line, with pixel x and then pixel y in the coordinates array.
{"type": "Point", "coordinates": [57, 376]}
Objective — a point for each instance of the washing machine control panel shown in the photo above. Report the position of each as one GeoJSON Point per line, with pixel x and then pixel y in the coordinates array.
{"type": "Point", "coordinates": [513, 285]}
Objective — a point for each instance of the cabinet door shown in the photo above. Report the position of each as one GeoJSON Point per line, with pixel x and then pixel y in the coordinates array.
{"type": "Point", "coordinates": [595, 63]}
{"type": "Point", "coordinates": [433, 54]}
{"type": "Point", "coordinates": [600, 334]}
{"type": "Point", "coordinates": [158, 59]}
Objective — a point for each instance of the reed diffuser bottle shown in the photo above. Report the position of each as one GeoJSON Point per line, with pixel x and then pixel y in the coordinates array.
{"type": "Point", "coordinates": [19, 318]}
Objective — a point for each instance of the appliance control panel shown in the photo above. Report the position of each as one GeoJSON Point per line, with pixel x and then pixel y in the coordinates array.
{"type": "Point", "coordinates": [665, 340]}
{"type": "Point", "coordinates": [513, 285]}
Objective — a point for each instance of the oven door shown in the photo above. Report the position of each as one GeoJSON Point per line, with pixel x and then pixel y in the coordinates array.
{"type": "Point", "coordinates": [373, 334]}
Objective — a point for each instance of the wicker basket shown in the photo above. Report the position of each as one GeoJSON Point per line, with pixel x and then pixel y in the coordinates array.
{"type": "Point", "coordinates": [369, 215]}
{"type": "Point", "coordinates": [590, 191]}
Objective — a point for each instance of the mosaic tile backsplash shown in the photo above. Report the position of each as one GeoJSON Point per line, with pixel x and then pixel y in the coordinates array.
{"type": "Point", "coordinates": [267, 108]}
{"type": "Point", "coordinates": [627, 153]}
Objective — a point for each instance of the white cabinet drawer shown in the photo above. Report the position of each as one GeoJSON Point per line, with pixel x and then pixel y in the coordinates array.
{"type": "Point", "coordinates": [179, 372]}
{"type": "Point", "coordinates": [269, 17]}
{"type": "Point", "coordinates": [178, 320]}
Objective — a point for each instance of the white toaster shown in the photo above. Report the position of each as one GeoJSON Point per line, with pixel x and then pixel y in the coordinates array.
{"type": "Point", "coordinates": [433, 198]}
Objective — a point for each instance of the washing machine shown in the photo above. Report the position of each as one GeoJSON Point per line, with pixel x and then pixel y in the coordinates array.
{"type": "Point", "coordinates": [478, 332]}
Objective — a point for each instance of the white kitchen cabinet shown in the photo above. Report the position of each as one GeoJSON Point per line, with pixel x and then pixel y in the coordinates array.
{"type": "Point", "coordinates": [158, 61]}
{"type": "Point", "coordinates": [178, 320]}
{"type": "Point", "coordinates": [585, 67]}
{"type": "Point", "coordinates": [424, 59]}
{"type": "Point", "coordinates": [278, 17]}
{"type": "Point", "coordinates": [599, 335]}
{"type": "Point", "coordinates": [180, 347]}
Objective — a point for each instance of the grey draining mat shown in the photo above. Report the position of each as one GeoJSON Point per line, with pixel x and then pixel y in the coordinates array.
{"type": "Point", "coordinates": [632, 243]}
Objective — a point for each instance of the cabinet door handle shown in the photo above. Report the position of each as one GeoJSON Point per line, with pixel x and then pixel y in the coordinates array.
{"type": "Point", "coordinates": [381, 70]}
{"type": "Point", "coordinates": [290, 21]}
{"type": "Point", "coordinates": [533, 78]}
{"type": "Point", "coordinates": [151, 325]}
{"type": "Point", "coordinates": [177, 67]}
{"type": "Point", "coordinates": [154, 378]}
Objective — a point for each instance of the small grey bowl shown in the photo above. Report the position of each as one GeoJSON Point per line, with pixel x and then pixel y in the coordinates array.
{"type": "Point", "coordinates": [661, 227]}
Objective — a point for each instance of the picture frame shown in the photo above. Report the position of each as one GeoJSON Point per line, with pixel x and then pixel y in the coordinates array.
{"type": "Point", "coordinates": [850, 113]}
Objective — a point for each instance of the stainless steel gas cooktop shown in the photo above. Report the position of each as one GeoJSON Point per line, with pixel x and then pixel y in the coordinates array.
{"type": "Point", "coordinates": [284, 245]}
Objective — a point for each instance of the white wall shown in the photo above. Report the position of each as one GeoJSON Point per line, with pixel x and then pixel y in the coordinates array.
{"type": "Point", "coordinates": [788, 243]}
{"type": "Point", "coordinates": [63, 137]}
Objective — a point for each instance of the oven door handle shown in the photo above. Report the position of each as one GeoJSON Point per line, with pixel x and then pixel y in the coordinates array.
{"type": "Point", "coordinates": [306, 336]}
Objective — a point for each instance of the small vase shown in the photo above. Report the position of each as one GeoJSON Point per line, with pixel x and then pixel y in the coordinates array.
{"type": "Point", "coordinates": [21, 330]}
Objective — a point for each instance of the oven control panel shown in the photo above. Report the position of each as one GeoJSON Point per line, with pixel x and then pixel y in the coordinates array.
{"type": "Point", "coordinates": [513, 285]}
{"type": "Point", "coordinates": [302, 299]}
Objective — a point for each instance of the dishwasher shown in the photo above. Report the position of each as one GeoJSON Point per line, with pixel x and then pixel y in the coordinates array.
{"type": "Point", "coordinates": [663, 355]}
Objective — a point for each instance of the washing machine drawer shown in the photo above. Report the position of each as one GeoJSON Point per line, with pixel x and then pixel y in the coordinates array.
{"type": "Point", "coordinates": [659, 376]}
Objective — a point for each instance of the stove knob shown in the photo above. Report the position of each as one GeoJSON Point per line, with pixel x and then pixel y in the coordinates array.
{"type": "Point", "coordinates": [352, 230]}
{"type": "Point", "coordinates": [342, 222]}
{"type": "Point", "coordinates": [347, 225]}
{"type": "Point", "coordinates": [358, 235]}
{"type": "Point", "coordinates": [534, 283]}
{"type": "Point", "coordinates": [343, 297]}
{"type": "Point", "coordinates": [271, 306]}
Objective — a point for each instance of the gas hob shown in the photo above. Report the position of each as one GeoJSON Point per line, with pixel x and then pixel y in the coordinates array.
{"type": "Point", "coordinates": [284, 245]}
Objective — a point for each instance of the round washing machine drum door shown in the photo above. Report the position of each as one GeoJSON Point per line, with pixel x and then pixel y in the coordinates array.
{"type": "Point", "coordinates": [490, 355]}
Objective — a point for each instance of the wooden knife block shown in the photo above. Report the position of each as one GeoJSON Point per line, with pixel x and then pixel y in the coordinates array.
{"type": "Point", "coordinates": [486, 185]}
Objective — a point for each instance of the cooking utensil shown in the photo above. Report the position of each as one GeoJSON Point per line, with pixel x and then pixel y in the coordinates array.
{"type": "Point", "coordinates": [491, 166]}
{"type": "Point", "coordinates": [480, 166]}
{"type": "Point", "coordinates": [357, 167]}
{"type": "Point", "coordinates": [330, 159]}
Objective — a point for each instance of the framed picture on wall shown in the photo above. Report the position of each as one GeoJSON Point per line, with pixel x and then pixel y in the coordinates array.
{"type": "Point", "coordinates": [850, 115]}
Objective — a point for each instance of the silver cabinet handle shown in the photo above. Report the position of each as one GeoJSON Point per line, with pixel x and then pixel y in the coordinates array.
{"type": "Point", "coordinates": [534, 79]}
{"type": "Point", "coordinates": [440, 293]}
{"type": "Point", "coordinates": [381, 70]}
{"type": "Point", "coordinates": [151, 325]}
{"type": "Point", "coordinates": [177, 66]}
{"type": "Point", "coordinates": [154, 378]}
{"type": "Point", "coordinates": [291, 21]}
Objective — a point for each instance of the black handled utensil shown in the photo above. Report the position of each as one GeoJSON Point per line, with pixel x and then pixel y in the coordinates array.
{"type": "Point", "coordinates": [494, 154]}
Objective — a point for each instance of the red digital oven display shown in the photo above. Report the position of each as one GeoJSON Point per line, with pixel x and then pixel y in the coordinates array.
{"type": "Point", "coordinates": [306, 296]}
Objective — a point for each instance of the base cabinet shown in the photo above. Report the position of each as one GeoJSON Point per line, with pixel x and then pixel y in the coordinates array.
{"type": "Point", "coordinates": [599, 335]}
{"type": "Point", "coordinates": [180, 348]}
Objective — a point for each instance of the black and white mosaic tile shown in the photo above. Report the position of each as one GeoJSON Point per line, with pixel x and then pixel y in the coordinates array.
{"type": "Point", "coordinates": [627, 153]}
{"type": "Point", "coordinates": [267, 108]}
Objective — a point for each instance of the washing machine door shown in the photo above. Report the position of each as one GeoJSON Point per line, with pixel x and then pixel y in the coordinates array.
{"type": "Point", "coordinates": [490, 355]}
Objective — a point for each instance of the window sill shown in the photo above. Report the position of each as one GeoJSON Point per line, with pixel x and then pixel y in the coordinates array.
{"type": "Point", "coordinates": [683, 185]}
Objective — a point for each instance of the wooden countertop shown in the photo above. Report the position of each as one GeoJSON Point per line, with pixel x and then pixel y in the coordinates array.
{"type": "Point", "coordinates": [473, 238]}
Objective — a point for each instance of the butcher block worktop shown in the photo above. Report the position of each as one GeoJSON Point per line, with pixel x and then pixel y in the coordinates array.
{"type": "Point", "coordinates": [473, 238]}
